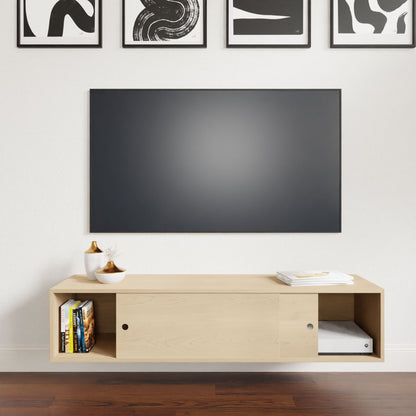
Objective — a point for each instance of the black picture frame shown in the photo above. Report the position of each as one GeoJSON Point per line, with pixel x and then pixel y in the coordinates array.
{"type": "Point", "coordinates": [260, 45]}
{"type": "Point", "coordinates": [166, 44]}
{"type": "Point", "coordinates": [21, 44]}
{"type": "Point", "coordinates": [370, 45]}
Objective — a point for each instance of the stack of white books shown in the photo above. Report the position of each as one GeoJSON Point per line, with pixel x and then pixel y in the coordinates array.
{"type": "Point", "coordinates": [315, 278]}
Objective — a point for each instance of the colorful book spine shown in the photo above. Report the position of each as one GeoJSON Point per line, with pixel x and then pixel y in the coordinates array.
{"type": "Point", "coordinates": [71, 326]}
{"type": "Point", "coordinates": [89, 325]}
{"type": "Point", "coordinates": [62, 331]}
{"type": "Point", "coordinates": [77, 327]}
{"type": "Point", "coordinates": [74, 329]}
{"type": "Point", "coordinates": [79, 337]}
{"type": "Point", "coordinates": [81, 326]}
{"type": "Point", "coordinates": [66, 312]}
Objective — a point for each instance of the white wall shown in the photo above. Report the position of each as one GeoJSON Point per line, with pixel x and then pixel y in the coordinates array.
{"type": "Point", "coordinates": [44, 174]}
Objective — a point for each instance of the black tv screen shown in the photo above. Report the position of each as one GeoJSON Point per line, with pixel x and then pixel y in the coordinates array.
{"type": "Point", "coordinates": [215, 161]}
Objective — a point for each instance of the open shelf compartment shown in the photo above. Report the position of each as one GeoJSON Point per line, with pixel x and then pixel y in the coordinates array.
{"type": "Point", "coordinates": [105, 327]}
{"type": "Point", "coordinates": [365, 309]}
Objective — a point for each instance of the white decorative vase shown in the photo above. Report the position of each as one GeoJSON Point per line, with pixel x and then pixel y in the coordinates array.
{"type": "Point", "coordinates": [94, 259]}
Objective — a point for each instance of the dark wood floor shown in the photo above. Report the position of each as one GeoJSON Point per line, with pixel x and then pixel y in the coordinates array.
{"type": "Point", "coordinates": [208, 394]}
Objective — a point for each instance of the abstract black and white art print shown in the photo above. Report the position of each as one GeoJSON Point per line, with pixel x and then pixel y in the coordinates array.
{"type": "Point", "coordinates": [269, 23]}
{"type": "Point", "coordinates": [59, 23]}
{"type": "Point", "coordinates": [372, 24]}
{"type": "Point", "coordinates": [164, 23]}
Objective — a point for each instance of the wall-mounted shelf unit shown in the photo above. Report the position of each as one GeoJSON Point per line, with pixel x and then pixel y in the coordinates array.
{"type": "Point", "coordinates": [216, 318]}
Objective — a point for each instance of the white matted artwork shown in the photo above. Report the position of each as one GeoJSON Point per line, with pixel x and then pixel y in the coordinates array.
{"type": "Point", "coordinates": [164, 23]}
{"type": "Point", "coordinates": [269, 23]}
{"type": "Point", "coordinates": [372, 23]}
{"type": "Point", "coordinates": [59, 23]}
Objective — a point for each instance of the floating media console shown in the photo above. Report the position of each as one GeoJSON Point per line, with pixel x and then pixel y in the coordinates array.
{"type": "Point", "coordinates": [217, 318]}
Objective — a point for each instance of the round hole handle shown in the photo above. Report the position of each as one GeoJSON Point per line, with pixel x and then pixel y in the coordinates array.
{"type": "Point", "coordinates": [125, 327]}
{"type": "Point", "coordinates": [309, 326]}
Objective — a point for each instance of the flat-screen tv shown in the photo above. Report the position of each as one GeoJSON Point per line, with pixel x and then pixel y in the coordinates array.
{"type": "Point", "coordinates": [176, 161]}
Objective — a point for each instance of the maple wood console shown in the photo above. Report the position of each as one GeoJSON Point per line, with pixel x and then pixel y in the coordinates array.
{"type": "Point", "coordinates": [216, 318]}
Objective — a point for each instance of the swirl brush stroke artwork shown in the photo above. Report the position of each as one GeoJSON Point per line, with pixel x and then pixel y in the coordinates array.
{"type": "Point", "coordinates": [166, 19]}
{"type": "Point", "coordinates": [160, 22]}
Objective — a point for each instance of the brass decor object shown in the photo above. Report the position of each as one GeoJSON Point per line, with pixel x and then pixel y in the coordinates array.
{"type": "Point", "coordinates": [94, 248]}
{"type": "Point", "coordinates": [110, 267]}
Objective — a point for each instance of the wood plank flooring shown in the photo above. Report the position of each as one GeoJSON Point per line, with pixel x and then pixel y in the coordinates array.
{"type": "Point", "coordinates": [208, 394]}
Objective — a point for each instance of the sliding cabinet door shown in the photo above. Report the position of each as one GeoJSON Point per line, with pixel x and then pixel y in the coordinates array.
{"type": "Point", "coordinates": [197, 327]}
{"type": "Point", "coordinates": [298, 327]}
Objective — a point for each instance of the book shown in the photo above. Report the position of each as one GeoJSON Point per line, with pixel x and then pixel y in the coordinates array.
{"type": "Point", "coordinates": [64, 334]}
{"type": "Point", "coordinates": [89, 325]}
{"type": "Point", "coordinates": [74, 330]}
{"type": "Point", "coordinates": [80, 326]}
{"type": "Point", "coordinates": [66, 312]}
{"type": "Point", "coordinates": [315, 278]}
{"type": "Point", "coordinates": [75, 325]}
{"type": "Point", "coordinates": [71, 325]}
{"type": "Point", "coordinates": [81, 341]}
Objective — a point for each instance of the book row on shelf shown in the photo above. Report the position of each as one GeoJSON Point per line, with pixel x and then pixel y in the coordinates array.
{"type": "Point", "coordinates": [77, 326]}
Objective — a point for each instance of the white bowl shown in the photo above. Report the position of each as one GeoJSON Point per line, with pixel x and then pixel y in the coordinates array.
{"type": "Point", "coordinates": [110, 277]}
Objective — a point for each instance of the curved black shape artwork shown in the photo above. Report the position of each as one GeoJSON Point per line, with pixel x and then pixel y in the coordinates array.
{"type": "Point", "coordinates": [73, 9]}
{"type": "Point", "coordinates": [364, 14]}
{"type": "Point", "coordinates": [281, 7]}
{"type": "Point", "coordinates": [164, 20]}
{"type": "Point", "coordinates": [344, 18]}
{"type": "Point", "coordinates": [401, 24]}
{"type": "Point", "coordinates": [27, 31]}
{"type": "Point", "coordinates": [292, 25]}
{"type": "Point", "coordinates": [390, 5]}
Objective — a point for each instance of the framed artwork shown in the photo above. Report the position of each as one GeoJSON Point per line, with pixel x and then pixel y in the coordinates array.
{"type": "Point", "coordinates": [268, 23]}
{"type": "Point", "coordinates": [372, 24]}
{"type": "Point", "coordinates": [164, 23]}
{"type": "Point", "coordinates": [59, 23]}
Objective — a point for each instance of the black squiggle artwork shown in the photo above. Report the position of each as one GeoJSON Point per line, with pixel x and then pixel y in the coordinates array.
{"type": "Point", "coordinates": [352, 13]}
{"type": "Point", "coordinates": [364, 14]}
{"type": "Point", "coordinates": [390, 5]}
{"type": "Point", "coordinates": [164, 20]}
{"type": "Point", "coordinates": [73, 9]}
{"type": "Point", "coordinates": [27, 31]}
